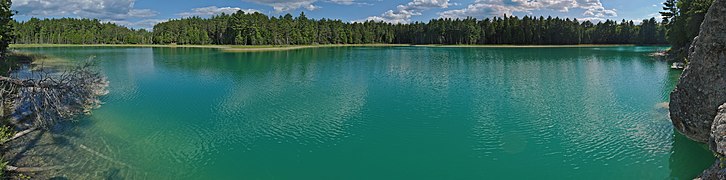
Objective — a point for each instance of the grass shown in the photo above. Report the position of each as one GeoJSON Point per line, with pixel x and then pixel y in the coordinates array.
{"type": "Point", "coordinates": [3, 163]}
{"type": "Point", "coordinates": [5, 133]}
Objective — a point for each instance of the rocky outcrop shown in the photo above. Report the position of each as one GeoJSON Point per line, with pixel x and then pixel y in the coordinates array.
{"type": "Point", "coordinates": [717, 141]}
{"type": "Point", "coordinates": [702, 87]}
{"type": "Point", "coordinates": [697, 106]}
{"type": "Point", "coordinates": [716, 171]}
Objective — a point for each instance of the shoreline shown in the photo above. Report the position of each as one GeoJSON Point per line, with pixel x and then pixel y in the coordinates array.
{"type": "Point", "coordinates": [529, 46]}
{"type": "Point", "coordinates": [259, 48]}
{"type": "Point", "coordinates": [227, 48]}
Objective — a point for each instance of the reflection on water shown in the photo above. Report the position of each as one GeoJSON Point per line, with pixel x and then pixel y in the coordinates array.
{"type": "Point", "coordinates": [371, 113]}
{"type": "Point", "coordinates": [684, 153]}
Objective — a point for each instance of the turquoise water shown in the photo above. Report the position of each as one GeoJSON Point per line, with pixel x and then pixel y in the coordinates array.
{"type": "Point", "coordinates": [379, 113]}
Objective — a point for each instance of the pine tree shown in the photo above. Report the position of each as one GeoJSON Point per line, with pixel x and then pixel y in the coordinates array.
{"type": "Point", "coordinates": [6, 27]}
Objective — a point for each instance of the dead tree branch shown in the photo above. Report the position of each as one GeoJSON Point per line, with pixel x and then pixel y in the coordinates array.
{"type": "Point", "coordinates": [54, 97]}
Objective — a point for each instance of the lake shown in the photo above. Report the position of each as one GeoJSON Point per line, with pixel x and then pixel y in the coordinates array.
{"type": "Point", "coordinates": [376, 113]}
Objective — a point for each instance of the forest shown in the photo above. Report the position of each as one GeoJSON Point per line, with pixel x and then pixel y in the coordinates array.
{"type": "Point", "coordinates": [76, 31]}
{"type": "Point", "coordinates": [680, 24]}
{"type": "Point", "coordinates": [682, 19]}
{"type": "Point", "coordinates": [242, 28]}
{"type": "Point", "coordinates": [38, 102]}
{"type": "Point", "coordinates": [258, 29]}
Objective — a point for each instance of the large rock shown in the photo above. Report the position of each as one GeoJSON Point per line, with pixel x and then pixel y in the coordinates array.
{"type": "Point", "coordinates": [714, 172]}
{"type": "Point", "coordinates": [717, 143]}
{"type": "Point", "coordinates": [718, 132]}
{"type": "Point", "coordinates": [702, 87]}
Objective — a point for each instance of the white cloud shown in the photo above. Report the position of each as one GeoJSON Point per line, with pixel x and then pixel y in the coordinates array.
{"type": "Point", "coordinates": [348, 2]}
{"type": "Point", "coordinates": [214, 10]}
{"type": "Point", "coordinates": [485, 8]}
{"type": "Point", "coordinates": [592, 19]}
{"type": "Point", "coordinates": [658, 17]}
{"type": "Point", "coordinates": [287, 5]}
{"type": "Point", "coordinates": [595, 8]}
{"type": "Point", "coordinates": [404, 12]}
{"type": "Point", "coordinates": [344, 2]}
{"type": "Point", "coordinates": [100, 9]}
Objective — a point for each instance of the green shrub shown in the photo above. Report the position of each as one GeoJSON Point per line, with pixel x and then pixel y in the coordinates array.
{"type": "Point", "coordinates": [5, 133]}
{"type": "Point", "coordinates": [3, 163]}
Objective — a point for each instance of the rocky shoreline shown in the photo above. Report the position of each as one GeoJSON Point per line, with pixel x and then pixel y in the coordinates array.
{"type": "Point", "coordinates": [698, 104]}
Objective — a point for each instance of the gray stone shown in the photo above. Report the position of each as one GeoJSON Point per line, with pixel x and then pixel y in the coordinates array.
{"type": "Point", "coordinates": [715, 172]}
{"type": "Point", "coordinates": [718, 132]}
{"type": "Point", "coordinates": [717, 143]}
{"type": "Point", "coordinates": [702, 87]}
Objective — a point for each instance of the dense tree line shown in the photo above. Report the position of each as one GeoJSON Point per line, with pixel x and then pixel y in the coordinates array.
{"type": "Point", "coordinates": [683, 19]}
{"type": "Point", "coordinates": [77, 31]}
{"type": "Point", "coordinates": [530, 30]}
{"type": "Point", "coordinates": [258, 29]}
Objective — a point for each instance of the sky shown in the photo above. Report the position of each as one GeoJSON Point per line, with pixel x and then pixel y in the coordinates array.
{"type": "Point", "coordinates": [146, 13]}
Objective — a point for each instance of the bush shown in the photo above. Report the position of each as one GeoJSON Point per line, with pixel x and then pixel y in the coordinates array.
{"type": "Point", "coordinates": [5, 133]}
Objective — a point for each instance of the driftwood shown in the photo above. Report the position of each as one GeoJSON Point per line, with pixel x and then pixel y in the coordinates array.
{"type": "Point", "coordinates": [46, 98]}
{"type": "Point", "coordinates": [48, 168]}
{"type": "Point", "coordinates": [96, 153]}
{"type": "Point", "coordinates": [20, 134]}
{"type": "Point", "coordinates": [53, 97]}
{"type": "Point", "coordinates": [32, 169]}
{"type": "Point", "coordinates": [31, 83]}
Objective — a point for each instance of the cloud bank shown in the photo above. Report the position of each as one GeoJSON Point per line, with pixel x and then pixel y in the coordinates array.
{"type": "Point", "coordinates": [404, 12]}
{"type": "Point", "coordinates": [488, 8]}
{"type": "Point", "coordinates": [214, 10]}
{"type": "Point", "coordinates": [100, 9]}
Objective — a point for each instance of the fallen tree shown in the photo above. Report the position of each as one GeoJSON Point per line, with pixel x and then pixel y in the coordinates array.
{"type": "Point", "coordinates": [52, 97]}
{"type": "Point", "coordinates": [32, 169]}
{"type": "Point", "coordinates": [39, 99]}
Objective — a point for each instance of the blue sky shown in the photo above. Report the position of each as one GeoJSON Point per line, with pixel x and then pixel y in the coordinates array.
{"type": "Point", "coordinates": [146, 13]}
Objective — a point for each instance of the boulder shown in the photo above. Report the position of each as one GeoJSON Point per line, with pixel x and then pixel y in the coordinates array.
{"type": "Point", "coordinates": [714, 172]}
{"type": "Point", "coordinates": [702, 86]}
{"type": "Point", "coordinates": [717, 141]}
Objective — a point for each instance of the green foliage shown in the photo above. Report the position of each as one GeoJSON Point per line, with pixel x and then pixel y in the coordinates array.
{"type": "Point", "coordinates": [670, 11]}
{"type": "Point", "coordinates": [6, 27]}
{"type": "Point", "coordinates": [22, 176]}
{"type": "Point", "coordinates": [3, 163]}
{"type": "Point", "coordinates": [242, 28]}
{"type": "Point", "coordinates": [258, 29]}
{"type": "Point", "coordinates": [5, 133]}
{"type": "Point", "coordinates": [683, 20]}
{"type": "Point", "coordinates": [77, 31]}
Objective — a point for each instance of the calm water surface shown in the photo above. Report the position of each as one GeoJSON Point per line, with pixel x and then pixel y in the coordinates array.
{"type": "Point", "coordinates": [379, 113]}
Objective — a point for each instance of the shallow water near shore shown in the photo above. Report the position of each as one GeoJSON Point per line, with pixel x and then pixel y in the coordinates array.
{"type": "Point", "coordinates": [374, 113]}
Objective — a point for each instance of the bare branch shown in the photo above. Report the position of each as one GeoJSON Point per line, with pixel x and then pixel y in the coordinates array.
{"type": "Point", "coordinates": [54, 97]}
